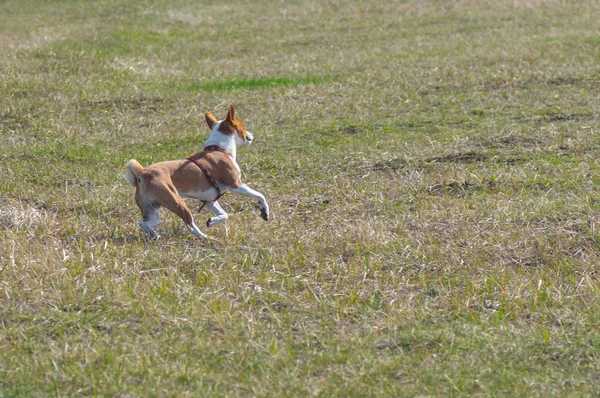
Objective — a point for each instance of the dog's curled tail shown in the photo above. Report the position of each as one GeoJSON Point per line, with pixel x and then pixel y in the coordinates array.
{"type": "Point", "coordinates": [134, 170]}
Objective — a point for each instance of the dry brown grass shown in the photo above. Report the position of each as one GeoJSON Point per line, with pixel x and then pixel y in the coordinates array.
{"type": "Point", "coordinates": [431, 169]}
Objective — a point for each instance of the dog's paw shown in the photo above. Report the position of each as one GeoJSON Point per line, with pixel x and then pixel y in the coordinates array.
{"type": "Point", "coordinates": [264, 214]}
{"type": "Point", "coordinates": [154, 236]}
{"type": "Point", "coordinates": [211, 222]}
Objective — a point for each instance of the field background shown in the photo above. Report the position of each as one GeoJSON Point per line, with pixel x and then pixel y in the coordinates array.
{"type": "Point", "coordinates": [430, 165]}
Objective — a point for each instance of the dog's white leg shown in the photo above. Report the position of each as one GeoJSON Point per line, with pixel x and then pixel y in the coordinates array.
{"type": "Point", "coordinates": [262, 203]}
{"type": "Point", "coordinates": [151, 221]}
{"type": "Point", "coordinates": [220, 214]}
{"type": "Point", "coordinates": [196, 231]}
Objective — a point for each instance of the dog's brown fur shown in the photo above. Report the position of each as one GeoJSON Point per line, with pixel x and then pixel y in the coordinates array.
{"type": "Point", "coordinates": [165, 179]}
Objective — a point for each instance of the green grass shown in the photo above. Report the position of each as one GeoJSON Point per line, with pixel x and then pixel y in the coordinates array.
{"type": "Point", "coordinates": [431, 169]}
{"type": "Point", "coordinates": [253, 83]}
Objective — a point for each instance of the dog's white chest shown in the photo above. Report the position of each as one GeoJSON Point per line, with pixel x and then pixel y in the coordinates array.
{"type": "Point", "coordinates": [207, 195]}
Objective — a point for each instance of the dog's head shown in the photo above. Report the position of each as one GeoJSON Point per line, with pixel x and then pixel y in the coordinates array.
{"type": "Point", "coordinates": [230, 126]}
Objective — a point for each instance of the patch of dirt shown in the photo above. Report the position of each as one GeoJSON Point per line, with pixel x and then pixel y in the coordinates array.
{"type": "Point", "coordinates": [513, 142]}
{"type": "Point", "coordinates": [562, 81]}
{"type": "Point", "coordinates": [521, 83]}
{"type": "Point", "coordinates": [135, 103]}
{"type": "Point", "coordinates": [391, 164]}
{"type": "Point", "coordinates": [305, 209]}
{"type": "Point", "coordinates": [460, 157]}
{"type": "Point", "coordinates": [568, 117]}
{"type": "Point", "coordinates": [557, 117]}
{"type": "Point", "coordinates": [12, 122]}
{"type": "Point", "coordinates": [362, 167]}
{"type": "Point", "coordinates": [456, 189]}
{"type": "Point", "coordinates": [514, 149]}
{"type": "Point", "coordinates": [350, 130]}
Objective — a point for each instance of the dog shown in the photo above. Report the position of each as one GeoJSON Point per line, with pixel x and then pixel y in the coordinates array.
{"type": "Point", "coordinates": [205, 176]}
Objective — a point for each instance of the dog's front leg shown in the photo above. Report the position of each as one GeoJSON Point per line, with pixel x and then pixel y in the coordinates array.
{"type": "Point", "coordinates": [262, 203]}
{"type": "Point", "coordinates": [220, 214]}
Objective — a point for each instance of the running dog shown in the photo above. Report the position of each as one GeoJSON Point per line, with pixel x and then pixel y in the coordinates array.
{"type": "Point", "coordinates": [205, 175]}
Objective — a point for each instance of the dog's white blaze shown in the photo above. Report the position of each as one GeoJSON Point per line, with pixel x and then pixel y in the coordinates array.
{"type": "Point", "coordinates": [223, 141]}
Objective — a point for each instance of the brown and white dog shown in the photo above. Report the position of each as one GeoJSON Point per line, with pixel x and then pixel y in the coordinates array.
{"type": "Point", "coordinates": [205, 176]}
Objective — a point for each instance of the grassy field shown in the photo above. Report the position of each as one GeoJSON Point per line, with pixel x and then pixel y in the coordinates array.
{"type": "Point", "coordinates": [431, 169]}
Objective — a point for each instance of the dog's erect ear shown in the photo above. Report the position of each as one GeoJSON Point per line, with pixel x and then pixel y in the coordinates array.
{"type": "Point", "coordinates": [231, 113]}
{"type": "Point", "coordinates": [210, 120]}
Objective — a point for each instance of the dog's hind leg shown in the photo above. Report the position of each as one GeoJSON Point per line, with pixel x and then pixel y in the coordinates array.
{"type": "Point", "coordinates": [151, 215]}
{"type": "Point", "coordinates": [170, 199]}
{"type": "Point", "coordinates": [220, 214]}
